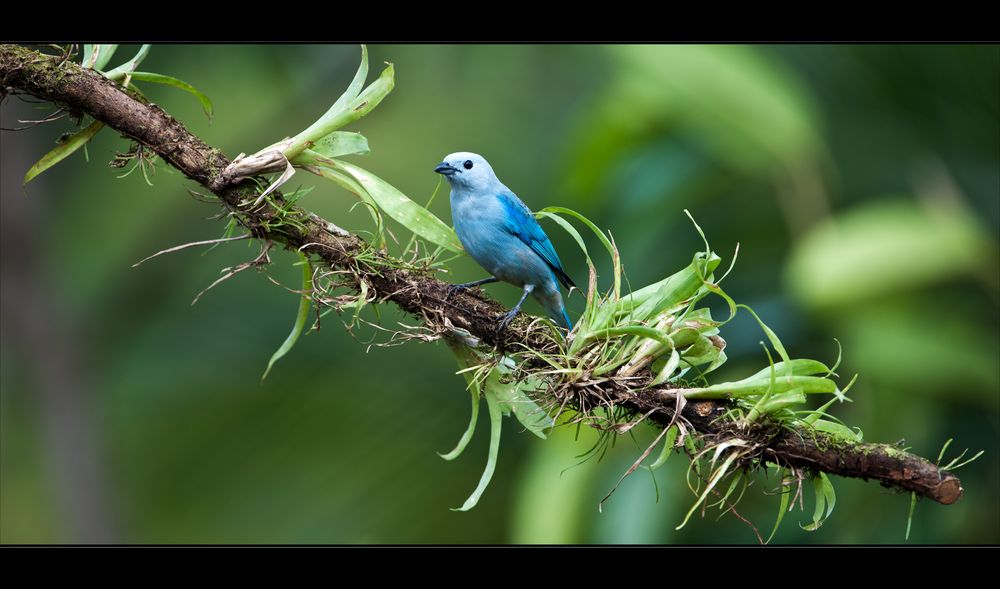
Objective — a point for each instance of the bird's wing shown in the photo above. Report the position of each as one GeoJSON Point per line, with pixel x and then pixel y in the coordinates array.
{"type": "Point", "coordinates": [521, 223]}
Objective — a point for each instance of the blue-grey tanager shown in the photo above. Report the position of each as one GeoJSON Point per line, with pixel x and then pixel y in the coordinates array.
{"type": "Point", "coordinates": [500, 233]}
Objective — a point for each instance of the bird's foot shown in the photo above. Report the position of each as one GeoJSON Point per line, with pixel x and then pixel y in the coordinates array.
{"type": "Point", "coordinates": [453, 289]}
{"type": "Point", "coordinates": [506, 319]}
{"type": "Point", "coordinates": [457, 287]}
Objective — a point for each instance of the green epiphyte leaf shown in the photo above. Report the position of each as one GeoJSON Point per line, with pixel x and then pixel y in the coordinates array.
{"type": "Point", "coordinates": [514, 397]}
{"type": "Point", "coordinates": [496, 421]}
{"type": "Point", "coordinates": [471, 429]}
{"type": "Point", "coordinates": [63, 150]}
{"type": "Point", "coordinates": [118, 74]}
{"type": "Point", "coordinates": [612, 250]}
{"type": "Point", "coordinates": [351, 106]}
{"type": "Point", "coordinates": [97, 56]}
{"type": "Point", "coordinates": [398, 206]}
{"type": "Point", "coordinates": [466, 361]}
{"type": "Point", "coordinates": [668, 448]}
{"type": "Point", "coordinates": [300, 318]}
{"type": "Point", "coordinates": [206, 104]}
{"type": "Point", "coordinates": [341, 143]}
{"type": "Point", "coordinates": [786, 494]}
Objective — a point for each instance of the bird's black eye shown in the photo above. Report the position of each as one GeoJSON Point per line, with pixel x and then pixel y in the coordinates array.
{"type": "Point", "coordinates": [467, 165]}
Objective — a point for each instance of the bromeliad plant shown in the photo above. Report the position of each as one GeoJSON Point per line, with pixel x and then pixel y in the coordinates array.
{"type": "Point", "coordinates": [319, 149]}
{"type": "Point", "coordinates": [657, 338]}
{"type": "Point", "coordinates": [656, 341]}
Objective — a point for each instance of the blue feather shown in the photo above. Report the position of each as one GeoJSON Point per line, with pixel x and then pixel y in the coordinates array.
{"type": "Point", "coordinates": [522, 224]}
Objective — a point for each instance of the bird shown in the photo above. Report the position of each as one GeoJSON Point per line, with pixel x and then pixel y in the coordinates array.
{"type": "Point", "coordinates": [498, 230]}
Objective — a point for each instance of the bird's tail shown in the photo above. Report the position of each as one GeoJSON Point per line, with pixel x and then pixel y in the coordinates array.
{"type": "Point", "coordinates": [553, 303]}
{"type": "Point", "coordinates": [566, 322]}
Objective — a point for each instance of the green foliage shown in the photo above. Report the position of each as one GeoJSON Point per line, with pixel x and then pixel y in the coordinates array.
{"type": "Point", "coordinates": [351, 106]}
{"type": "Point", "coordinates": [341, 143]}
{"type": "Point", "coordinates": [206, 104]}
{"type": "Point", "coordinates": [716, 475]}
{"type": "Point", "coordinates": [317, 147]}
{"type": "Point", "coordinates": [496, 421]}
{"type": "Point", "coordinates": [505, 395]}
{"type": "Point", "coordinates": [479, 378]}
{"type": "Point", "coordinates": [888, 245]}
{"type": "Point", "coordinates": [305, 303]}
{"type": "Point", "coordinates": [826, 499]}
{"type": "Point", "coordinates": [669, 443]}
{"type": "Point", "coordinates": [64, 150]}
{"type": "Point", "coordinates": [395, 204]}
{"type": "Point", "coordinates": [96, 57]}
{"type": "Point", "coordinates": [735, 104]}
{"type": "Point", "coordinates": [515, 397]}
{"type": "Point", "coordinates": [785, 489]}
{"type": "Point", "coordinates": [660, 326]}
{"type": "Point", "coordinates": [473, 387]}
{"type": "Point", "coordinates": [121, 72]}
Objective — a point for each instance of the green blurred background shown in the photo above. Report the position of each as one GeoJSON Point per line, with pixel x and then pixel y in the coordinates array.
{"type": "Point", "coordinates": [861, 183]}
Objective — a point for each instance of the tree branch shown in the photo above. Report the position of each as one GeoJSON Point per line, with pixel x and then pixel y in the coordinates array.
{"type": "Point", "coordinates": [419, 293]}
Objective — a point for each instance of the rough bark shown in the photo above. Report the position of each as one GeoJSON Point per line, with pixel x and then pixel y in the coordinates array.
{"type": "Point", "coordinates": [420, 293]}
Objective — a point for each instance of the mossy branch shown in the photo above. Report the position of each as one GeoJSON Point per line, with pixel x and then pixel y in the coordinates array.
{"type": "Point", "coordinates": [419, 293]}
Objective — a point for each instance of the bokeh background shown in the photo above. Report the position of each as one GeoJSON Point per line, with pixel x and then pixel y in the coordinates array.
{"type": "Point", "coordinates": [861, 183]}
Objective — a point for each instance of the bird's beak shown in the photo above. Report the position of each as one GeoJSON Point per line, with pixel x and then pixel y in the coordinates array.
{"type": "Point", "coordinates": [445, 169]}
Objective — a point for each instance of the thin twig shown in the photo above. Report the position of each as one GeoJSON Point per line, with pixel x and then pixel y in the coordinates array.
{"type": "Point", "coordinates": [178, 248]}
{"type": "Point", "coordinates": [260, 260]}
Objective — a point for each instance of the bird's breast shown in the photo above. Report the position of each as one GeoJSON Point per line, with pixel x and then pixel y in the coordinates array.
{"type": "Point", "coordinates": [480, 225]}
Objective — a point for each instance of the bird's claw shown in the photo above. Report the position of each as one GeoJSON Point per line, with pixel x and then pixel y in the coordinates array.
{"type": "Point", "coordinates": [454, 288]}
{"type": "Point", "coordinates": [505, 320]}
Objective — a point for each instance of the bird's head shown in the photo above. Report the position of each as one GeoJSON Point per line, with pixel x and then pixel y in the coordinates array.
{"type": "Point", "coordinates": [467, 170]}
